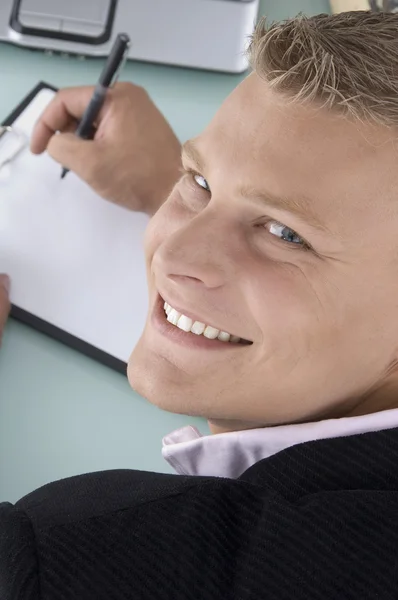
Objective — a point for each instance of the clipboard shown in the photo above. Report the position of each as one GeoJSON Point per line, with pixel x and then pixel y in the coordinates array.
{"type": "Point", "coordinates": [76, 261]}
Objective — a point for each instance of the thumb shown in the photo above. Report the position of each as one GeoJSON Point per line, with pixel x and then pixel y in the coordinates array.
{"type": "Point", "coordinates": [4, 301]}
{"type": "Point", "coordinates": [81, 156]}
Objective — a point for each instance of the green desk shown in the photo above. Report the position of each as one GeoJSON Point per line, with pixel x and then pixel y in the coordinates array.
{"type": "Point", "coordinates": [62, 414]}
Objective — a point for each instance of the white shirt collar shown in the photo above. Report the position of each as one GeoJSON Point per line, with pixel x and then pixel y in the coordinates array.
{"type": "Point", "coordinates": [230, 454]}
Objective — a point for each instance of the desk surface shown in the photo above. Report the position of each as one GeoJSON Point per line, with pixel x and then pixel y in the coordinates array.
{"type": "Point", "coordinates": [61, 413]}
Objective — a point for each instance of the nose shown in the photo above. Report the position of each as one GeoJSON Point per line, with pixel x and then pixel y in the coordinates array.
{"type": "Point", "coordinates": [209, 280]}
{"type": "Point", "coordinates": [187, 279]}
{"type": "Point", "coordinates": [198, 254]}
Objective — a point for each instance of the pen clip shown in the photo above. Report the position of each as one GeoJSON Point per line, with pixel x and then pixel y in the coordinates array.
{"type": "Point", "coordinates": [122, 63]}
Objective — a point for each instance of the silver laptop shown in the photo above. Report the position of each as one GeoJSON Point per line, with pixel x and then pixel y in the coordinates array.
{"type": "Point", "coordinates": [206, 34]}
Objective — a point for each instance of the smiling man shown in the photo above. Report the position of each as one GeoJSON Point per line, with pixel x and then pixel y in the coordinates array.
{"type": "Point", "coordinates": [282, 231]}
{"type": "Point", "coordinates": [272, 273]}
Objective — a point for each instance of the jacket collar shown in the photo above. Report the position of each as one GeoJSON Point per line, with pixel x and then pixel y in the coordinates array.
{"type": "Point", "coordinates": [230, 454]}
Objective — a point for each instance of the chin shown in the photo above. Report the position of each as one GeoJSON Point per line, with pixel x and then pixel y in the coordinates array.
{"type": "Point", "coordinates": [148, 379]}
{"type": "Point", "coordinates": [162, 384]}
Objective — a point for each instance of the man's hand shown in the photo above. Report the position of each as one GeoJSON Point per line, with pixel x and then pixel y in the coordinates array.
{"type": "Point", "coordinates": [4, 301]}
{"type": "Point", "coordinates": [134, 159]}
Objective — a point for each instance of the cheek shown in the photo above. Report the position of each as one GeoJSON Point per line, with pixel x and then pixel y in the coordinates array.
{"type": "Point", "coordinates": [151, 236]}
{"type": "Point", "coordinates": [291, 310]}
{"type": "Point", "coordinates": [156, 232]}
{"type": "Point", "coordinates": [161, 226]}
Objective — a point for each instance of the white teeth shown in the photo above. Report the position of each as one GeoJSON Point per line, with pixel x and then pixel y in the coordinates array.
{"type": "Point", "coordinates": [224, 336]}
{"type": "Point", "coordinates": [211, 332]}
{"type": "Point", "coordinates": [198, 328]}
{"type": "Point", "coordinates": [186, 324]}
{"type": "Point", "coordinates": [173, 316]}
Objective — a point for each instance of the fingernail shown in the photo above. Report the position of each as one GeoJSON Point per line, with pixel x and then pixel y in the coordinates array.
{"type": "Point", "coordinates": [5, 282]}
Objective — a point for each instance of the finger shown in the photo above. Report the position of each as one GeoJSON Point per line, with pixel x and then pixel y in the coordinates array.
{"type": "Point", "coordinates": [81, 156]}
{"type": "Point", "coordinates": [66, 107]}
{"type": "Point", "coordinates": [71, 127]}
{"type": "Point", "coordinates": [4, 301]}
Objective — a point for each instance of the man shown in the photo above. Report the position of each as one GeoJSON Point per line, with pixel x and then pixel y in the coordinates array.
{"type": "Point", "coordinates": [281, 233]}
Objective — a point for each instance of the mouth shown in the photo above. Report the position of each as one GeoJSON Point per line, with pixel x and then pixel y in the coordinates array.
{"type": "Point", "coordinates": [188, 338]}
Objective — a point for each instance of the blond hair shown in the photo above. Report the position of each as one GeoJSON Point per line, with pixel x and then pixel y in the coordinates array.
{"type": "Point", "coordinates": [346, 62]}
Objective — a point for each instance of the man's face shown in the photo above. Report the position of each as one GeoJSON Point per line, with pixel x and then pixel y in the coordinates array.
{"type": "Point", "coordinates": [283, 231]}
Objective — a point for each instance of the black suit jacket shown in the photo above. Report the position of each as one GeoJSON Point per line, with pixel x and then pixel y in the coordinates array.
{"type": "Point", "coordinates": [318, 520]}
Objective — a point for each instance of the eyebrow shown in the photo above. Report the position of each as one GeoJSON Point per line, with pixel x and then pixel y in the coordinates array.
{"type": "Point", "coordinates": [299, 206]}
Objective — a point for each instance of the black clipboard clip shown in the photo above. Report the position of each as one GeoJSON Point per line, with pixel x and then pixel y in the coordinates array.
{"type": "Point", "coordinates": [19, 143]}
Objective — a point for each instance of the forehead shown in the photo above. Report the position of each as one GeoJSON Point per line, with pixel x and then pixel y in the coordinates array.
{"type": "Point", "coordinates": [342, 165]}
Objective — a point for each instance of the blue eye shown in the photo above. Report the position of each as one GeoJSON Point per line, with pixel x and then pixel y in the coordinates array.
{"type": "Point", "coordinates": [274, 227]}
{"type": "Point", "coordinates": [285, 233]}
{"type": "Point", "coordinates": [201, 181]}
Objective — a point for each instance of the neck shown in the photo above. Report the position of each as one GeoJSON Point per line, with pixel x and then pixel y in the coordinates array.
{"type": "Point", "coordinates": [384, 396]}
{"type": "Point", "coordinates": [226, 426]}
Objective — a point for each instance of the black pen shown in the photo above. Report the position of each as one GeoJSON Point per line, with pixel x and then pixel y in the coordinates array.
{"type": "Point", "coordinates": [108, 76]}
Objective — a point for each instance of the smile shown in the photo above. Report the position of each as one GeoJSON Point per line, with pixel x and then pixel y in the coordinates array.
{"type": "Point", "coordinates": [179, 337]}
{"type": "Point", "coordinates": [197, 327]}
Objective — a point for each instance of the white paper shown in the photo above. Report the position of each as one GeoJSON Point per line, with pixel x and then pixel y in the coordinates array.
{"type": "Point", "coordinates": [75, 260]}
